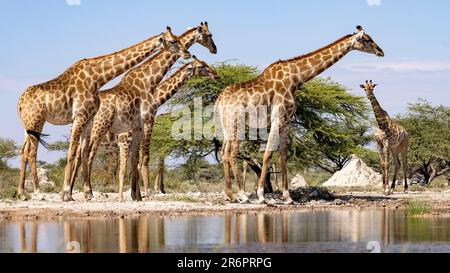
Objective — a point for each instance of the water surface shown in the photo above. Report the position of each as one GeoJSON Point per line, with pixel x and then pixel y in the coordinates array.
{"type": "Point", "coordinates": [331, 230]}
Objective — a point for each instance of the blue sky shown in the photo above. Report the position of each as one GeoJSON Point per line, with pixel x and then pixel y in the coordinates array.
{"type": "Point", "coordinates": [39, 39]}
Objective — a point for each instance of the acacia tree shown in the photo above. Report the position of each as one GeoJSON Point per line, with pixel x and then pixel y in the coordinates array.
{"type": "Point", "coordinates": [329, 126]}
{"type": "Point", "coordinates": [8, 150]}
{"type": "Point", "coordinates": [429, 136]}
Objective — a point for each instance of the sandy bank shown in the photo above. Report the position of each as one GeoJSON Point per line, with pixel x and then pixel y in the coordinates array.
{"type": "Point", "coordinates": [105, 205]}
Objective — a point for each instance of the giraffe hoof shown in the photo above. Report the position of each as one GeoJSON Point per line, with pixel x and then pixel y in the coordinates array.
{"type": "Point", "coordinates": [66, 197]}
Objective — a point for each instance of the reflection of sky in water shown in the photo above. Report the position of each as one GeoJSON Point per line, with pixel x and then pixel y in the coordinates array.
{"type": "Point", "coordinates": [153, 233]}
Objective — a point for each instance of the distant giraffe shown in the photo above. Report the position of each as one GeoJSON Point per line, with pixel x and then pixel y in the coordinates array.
{"type": "Point", "coordinates": [72, 98]}
{"type": "Point", "coordinates": [145, 78]}
{"type": "Point", "coordinates": [118, 110]}
{"type": "Point", "coordinates": [391, 138]}
{"type": "Point", "coordinates": [274, 89]}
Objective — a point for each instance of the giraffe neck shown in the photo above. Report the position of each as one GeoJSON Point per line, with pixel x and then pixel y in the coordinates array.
{"type": "Point", "coordinates": [170, 86]}
{"type": "Point", "coordinates": [381, 116]}
{"type": "Point", "coordinates": [150, 73]}
{"type": "Point", "coordinates": [110, 66]}
{"type": "Point", "coordinates": [304, 68]}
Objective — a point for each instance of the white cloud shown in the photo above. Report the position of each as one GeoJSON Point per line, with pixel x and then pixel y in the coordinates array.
{"type": "Point", "coordinates": [374, 2]}
{"type": "Point", "coordinates": [400, 66]}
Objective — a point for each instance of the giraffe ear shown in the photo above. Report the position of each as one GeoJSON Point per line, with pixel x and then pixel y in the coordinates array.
{"type": "Point", "coordinates": [375, 85]}
{"type": "Point", "coordinates": [362, 86]}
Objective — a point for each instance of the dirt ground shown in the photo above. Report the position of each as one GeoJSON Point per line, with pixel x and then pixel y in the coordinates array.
{"type": "Point", "coordinates": [49, 206]}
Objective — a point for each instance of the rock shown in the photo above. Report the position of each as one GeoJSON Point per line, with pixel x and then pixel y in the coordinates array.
{"type": "Point", "coordinates": [44, 181]}
{"type": "Point", "coordinates": [299, 182]}
{"type": "Point", "coordinates": [355, 174]}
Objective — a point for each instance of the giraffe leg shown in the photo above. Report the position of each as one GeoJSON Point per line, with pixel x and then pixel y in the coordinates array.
{"type": "Point", "coordinates": [23, 168]}
{"type": "Point", "coordinates": [116, 166]}
{"type": "Point", "coordinates": [84, 156]}
{"type": "Point", "coordinates": [225, 154]}
{"type": "Point", "coordinates": [75, 172]}
{"type": "Point", "coordinates": [145, 150]}
{"type": "Point", "coordinates": [385, 167]}
{"type": "Point", "coordinates": [382, 160]}
{"type": "Point", "coordinates": [32, 155]}
{"type": "Point", "coordinates": [135, 144]}
{"type": "Point", "coordinates": [272, 143]}
{"type": "Point", "coordinates": [75, 135]}
{"type": "Point", "coordinates": [236, 172]}
{"type": "Point", "coordinates": [124, 146]}
{"type": "Point", "coordinates": [396, 168]}
{"type": "Point", "coordinates": [88, 153]}
{"type": "Point", "coordinates": [404, 158]}
{"type": "Point", "coordinates": [284, 135]}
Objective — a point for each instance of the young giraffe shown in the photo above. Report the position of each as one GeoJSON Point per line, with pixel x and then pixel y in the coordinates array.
{"type": "Point", "coordinates": [391, 138]}
{"type": "Point", "coordinates": [275, 88]}
{"type": "Point", "coordinates": [145, 78]}
{"type": "Point", "coordinates": [72, 98]}
{"type": "Point", "coordinates": [163, 92]}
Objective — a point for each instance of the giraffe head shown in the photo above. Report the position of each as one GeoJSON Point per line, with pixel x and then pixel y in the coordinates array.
{"type": "Point", "coordinates": [369, 87]}
{"type": "Point", "coordinates": [205, 38]}
{"type": "Point", "coordinates": [202, 69]}
{"type": "Point", "coordinates": [172, 43]}
{"type": "Point", "coordinates": [363, 42]}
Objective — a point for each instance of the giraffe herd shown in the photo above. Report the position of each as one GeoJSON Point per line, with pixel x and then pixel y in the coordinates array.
{"type": "Point", "coordinates": [122, 117]}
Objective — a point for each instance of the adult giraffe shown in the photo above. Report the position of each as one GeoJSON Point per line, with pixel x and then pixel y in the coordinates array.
{"type": "Point", "coordinates": [119, 112]}
{"type": "Point", "coordinates": [72, 98]}
{"type": "Point", "coordinates": [274, 89]}
{"type": "Point", "coordinates": [145, 78]}
{"type": "Point", "coordinates": [392, 139]}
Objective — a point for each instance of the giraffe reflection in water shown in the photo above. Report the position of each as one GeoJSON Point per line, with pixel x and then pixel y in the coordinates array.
{"type": "Point", "coordinates": [223, 232]}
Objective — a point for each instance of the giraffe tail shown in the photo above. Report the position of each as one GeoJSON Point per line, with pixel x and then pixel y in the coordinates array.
{"type": "Point", "coordinates": [39, 136]}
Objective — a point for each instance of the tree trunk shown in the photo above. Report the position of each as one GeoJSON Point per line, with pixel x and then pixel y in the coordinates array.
{"type": "Point", "coordinates": [432, 175]}
{"type": "Point", "coordinates": [274, 170]}
{"type": "Point", "coordinates": [159, 180]}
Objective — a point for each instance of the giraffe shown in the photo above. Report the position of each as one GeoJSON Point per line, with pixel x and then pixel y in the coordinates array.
{"type": "Point", "coordinates": [111, 142]}
{"type": "Point", "coordinates": [392, 139]}
{"type": "Point", "coordinates": [146, 78]}
{"type": "Point", "coordinates": [119, 109]}
{"type": "Point", "coordinates": [72, 98]}
{"type": "Point", "coordinates": [274, 89]}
